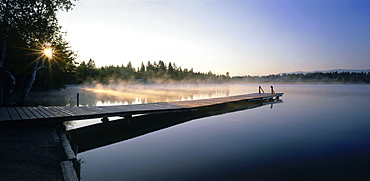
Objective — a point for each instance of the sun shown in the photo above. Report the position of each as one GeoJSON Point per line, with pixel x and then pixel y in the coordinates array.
{"type": "Point", "coordinates": [48, 52]}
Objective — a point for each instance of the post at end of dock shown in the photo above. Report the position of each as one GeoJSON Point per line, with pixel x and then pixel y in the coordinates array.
{"type": "Point", "coordinates": [260, 90]}
{"type": "Point", "coordinates": [272, 90]}
{"type": "Point", "coordinates": [105, 119]}
{"type": "Point", "coordinates": [78, 99]}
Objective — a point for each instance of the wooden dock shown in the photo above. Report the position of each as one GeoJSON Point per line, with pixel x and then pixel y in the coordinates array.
{"type": "Point", "coordinates": [103, 134]}
{"type": "Point", "coordinates": [52, 114]}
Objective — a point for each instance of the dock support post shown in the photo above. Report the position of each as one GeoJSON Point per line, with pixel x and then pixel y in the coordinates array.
{"type": "Point", "coordinates": [260, 90]}
{"type": "Point", "coordinates": [272, 90]}
{"type": "Point", "coordinates": [78, 99]}
{"type": "Point", "coordinates": [105, 119]}
{"type": "Point", "coordinates": [128, 117]}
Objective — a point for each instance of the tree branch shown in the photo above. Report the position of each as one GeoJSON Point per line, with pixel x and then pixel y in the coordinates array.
{"type": "Point", "coordinates": [43, 66]}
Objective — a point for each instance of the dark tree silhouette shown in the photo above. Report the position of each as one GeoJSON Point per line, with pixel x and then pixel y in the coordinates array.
{"type": "Point", "coordinates": [28, 27]}
{"type": "Point", "coordinates": [150, 73]}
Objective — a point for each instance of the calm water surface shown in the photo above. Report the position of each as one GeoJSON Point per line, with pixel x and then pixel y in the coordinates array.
{"type": "Point", "coordinates": [317, 132]}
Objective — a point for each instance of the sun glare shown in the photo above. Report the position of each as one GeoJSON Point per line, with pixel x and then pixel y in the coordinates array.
{"type": "Point", "coordinates": [48, 52]}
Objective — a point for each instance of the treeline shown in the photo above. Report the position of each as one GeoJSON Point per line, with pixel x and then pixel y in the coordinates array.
{"type": "Point", "coordinates": [156, 72]}
{"type": "Point", "coordinates": [316, 77]}
{"type": "Point", "coordinates": [161, 72]}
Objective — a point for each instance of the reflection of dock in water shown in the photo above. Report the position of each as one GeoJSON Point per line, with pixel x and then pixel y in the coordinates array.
{"type": "Point", "coordinates": [98, 135]}
{"type": "Point", "coordinates": [53, 114]}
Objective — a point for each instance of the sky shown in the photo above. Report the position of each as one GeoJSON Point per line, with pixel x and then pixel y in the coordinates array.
{"type": "Point", "coordinates": [243, 37]}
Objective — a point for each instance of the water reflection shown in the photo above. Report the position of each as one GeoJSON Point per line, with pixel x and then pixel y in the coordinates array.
{"type": "Point", "coordinates": [118, 95]}
{"type": "Point", "coordinates": [106, 95]}
{"type": "Point", "coordinates": [98, 135]}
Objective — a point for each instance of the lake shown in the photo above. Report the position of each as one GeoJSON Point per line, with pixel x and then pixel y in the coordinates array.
{"type": "Point", "coordinates": [317, 132]}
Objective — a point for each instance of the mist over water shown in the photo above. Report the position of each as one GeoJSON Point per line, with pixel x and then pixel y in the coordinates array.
{"type": "Point", "coordinates": [137, 94]}
{"type": "Point", "coordinates": [124, 94]}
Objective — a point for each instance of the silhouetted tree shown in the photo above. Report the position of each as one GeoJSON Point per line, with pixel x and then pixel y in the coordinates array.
{"type": "Point", "coordinates": [26, 28]}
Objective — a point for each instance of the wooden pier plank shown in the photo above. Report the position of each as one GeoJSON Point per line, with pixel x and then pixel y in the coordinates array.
{"type": "Point", "coordinates": [67, 147]}
{"type": "Point", "coordinates": [44, 112]}
{"type": "Point", "coordinates": [21, 113]}
{"type": "Point", "coordinates": [13, 113]}
{"type": "Point", "coordinates": [52, 112]}
{"type": "Point", "coordinates": [69, 173]}
{"type": "Point", "coordinates": [37, 113]}
{"type": "Point", "coordinates": [81, 111]}
{"type": "Point", "coordinates": [4, 114]}
{"type": "Point", "coordinates": [90, 110]}
{"type": "Point", "coordinates": [29, 113]}
{"type": "Point", "coordinates": [58, 112]}
{"type": "Point", "coordinates": [166, 105]}
{"type": "Point", "coordinates": [63, 109]}
{"type": "Point", "coordinates": [70, 110]}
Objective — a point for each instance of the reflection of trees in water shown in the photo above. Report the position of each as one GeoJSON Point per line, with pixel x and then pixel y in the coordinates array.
{"type": "Point", "coordinates": [150, 93]}
{"type": "Point", "coordinates": [118, 94]}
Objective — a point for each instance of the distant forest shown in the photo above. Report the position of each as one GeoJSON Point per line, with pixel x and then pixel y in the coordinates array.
{"type": "Point", "coordinates": [156, 72]}
{"type": "Point", "coordinates": [160, 72]}
{"type": "Point", "coordinates": [316, 77]}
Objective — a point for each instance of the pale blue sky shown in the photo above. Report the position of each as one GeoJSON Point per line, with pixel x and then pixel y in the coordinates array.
{"type": "Point", "coordinates": [243, 37]}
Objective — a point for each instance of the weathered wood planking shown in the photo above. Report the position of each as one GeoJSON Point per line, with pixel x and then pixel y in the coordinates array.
{"type": "Point", "coordinates": [37, 113]}
{"type": "Point", "coordinates": [69, 173]}
{"type": "Point", "coordinates": [62, 113]}
{"type": "Point", "coordinates": [28, 113]}
{"type": "Point", "coordinates": [21, 113]}
{"type": "Point", "coordinates": [4, 115]}
{"type": "Point", "coordinates": [43, 112]}
{"type": "Point", "coordinates": [13, 113]}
